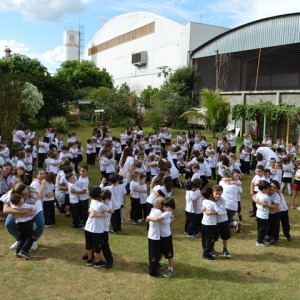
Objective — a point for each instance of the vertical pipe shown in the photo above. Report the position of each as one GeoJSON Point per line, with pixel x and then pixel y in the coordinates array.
{"type": "Point", "coordinates": [257, 69]}
{"type": "Point", "coordinates": [287, 132]}
{"type": "Point", "coordinates": [217, 69]}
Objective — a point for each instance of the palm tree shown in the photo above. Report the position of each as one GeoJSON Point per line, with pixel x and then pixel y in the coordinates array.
{"type": "Point", "coordinates": [214, 107]}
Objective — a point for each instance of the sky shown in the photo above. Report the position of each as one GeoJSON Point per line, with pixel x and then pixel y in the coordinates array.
{"type": "Point", "coordinates": [35, 27]}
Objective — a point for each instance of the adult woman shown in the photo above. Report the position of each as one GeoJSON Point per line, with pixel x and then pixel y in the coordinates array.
{"type": "Point", "coordinates": [126, 166]}
{"type": "Point", "coordinates": [37, 215]}
{"type": "Point", "coordinates": [5, 178]}
{"type": "Point", "coordinates": [190, 141]}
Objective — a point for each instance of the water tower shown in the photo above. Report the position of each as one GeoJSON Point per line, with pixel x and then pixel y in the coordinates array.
{"type": "Point", "coordinates": [73, 42]}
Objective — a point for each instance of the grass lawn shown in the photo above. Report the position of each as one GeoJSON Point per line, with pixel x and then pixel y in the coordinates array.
{"type": "Point", "coordinates": [56, 270]}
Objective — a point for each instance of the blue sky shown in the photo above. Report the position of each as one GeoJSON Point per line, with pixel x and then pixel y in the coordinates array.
{"type": "Point", "coordinates": [35, 27]}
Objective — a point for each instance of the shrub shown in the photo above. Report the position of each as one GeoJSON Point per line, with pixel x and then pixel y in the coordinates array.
{"type": "Point", "coordinates": [59, 124]}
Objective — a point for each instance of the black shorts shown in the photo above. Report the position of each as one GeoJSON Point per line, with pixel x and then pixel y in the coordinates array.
{"type": "Point", "coordinates": [93, 241]}
{"type": "Point", "coordinates": [166, 247]}
{"type": "Point", "coordinates": [287, 179]}
{"type": "Point", "coordinates": [224, 230]}
{"type": "Point", "coordinates": [67, 199]}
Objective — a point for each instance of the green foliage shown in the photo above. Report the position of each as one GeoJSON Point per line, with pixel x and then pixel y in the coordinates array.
{"type": "Point", "coordinates": [115, 103]}
{"type": "Point", "coordinates": [83, 74]}
{"type": "Point", "coordinates": [155, 115]}
{"type": "Point", "coordinates": [11, 91]}
{"type": "Point", "coordinates": [274, 113]}
{"type": "Point", "coordinates": [32, 100]}
{"type": "Point", "coordinates": [59, 124]}
{"type": "Point", "coordinates": [145, 96]}
{"type": "Point", "coordinates": [215, 109]}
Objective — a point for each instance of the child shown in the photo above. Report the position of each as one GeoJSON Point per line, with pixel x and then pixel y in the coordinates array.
{"type": "Point", "coordinates": [166, 243]}
{"type": "Point", "coordinates": [29, 164]}
{"type": "Point", "coordinates": [284, 216]}
{"type": "Point", "coordinates": [154, 239]}
{"type": "Point", "coordinates": [287, 176]}
{"type": "Point", "coordinates": [296, 185]}
{"type": "Point", "coordinates": [274, 214]}
{"type": "Point", "coordinates": [209, 227]}
{"type": "Point", "coordinates": [143, 195]}
{"type": "Point", "coordinates": [135, 189]}
{"type": "Point", "coordinates": [89, 149]}
{"type": "Point", "coordinates": [55, 163]}
{"type": "Point", "coordinates": [222, 220]}
{"type": "Point", "coordinates": [263, 203]}
{"type": "Point", "coordinates": [74, 199]}
{"type": "Point", "coordinates": [254, 187]}
{"type": "Point", "coordinates": [236, 174]}
{"type": "Point", "coordinates": [94, 229]}
{"type": "Point", "coordinates": [20, 176]}
{"type": "Point", "coordinates": [48, 201]}
{"type": "Point", "coordinates": [231, 194]}
{"type": "Point", "coordinates": [118, 192]}
{"type": "Point", "coordinates": [190, 210]}
{"type": "Point", "coordinates": [24, 225]}
{"type": "Point", "coordinates": [196, 221]}
{"type": "Point", "coordinates": [83, 184]}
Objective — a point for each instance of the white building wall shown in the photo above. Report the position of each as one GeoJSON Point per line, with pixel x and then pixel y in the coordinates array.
{"type": "Point", "coordinates": [169, 45]}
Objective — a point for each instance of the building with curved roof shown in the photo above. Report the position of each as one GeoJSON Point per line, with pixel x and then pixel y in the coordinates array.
{"type": "Point", "coordinates": [132, 46]}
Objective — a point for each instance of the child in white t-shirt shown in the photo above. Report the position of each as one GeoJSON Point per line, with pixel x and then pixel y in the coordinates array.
{"type": "Point", "coordinates": [166, 243]}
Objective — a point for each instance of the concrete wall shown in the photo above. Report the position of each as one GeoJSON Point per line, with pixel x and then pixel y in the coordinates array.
{"type": "Point", "coordinates": [291, 97]}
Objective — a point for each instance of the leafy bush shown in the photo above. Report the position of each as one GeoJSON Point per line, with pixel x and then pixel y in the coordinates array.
{"type": "Point", "coordinates": [59, 124]}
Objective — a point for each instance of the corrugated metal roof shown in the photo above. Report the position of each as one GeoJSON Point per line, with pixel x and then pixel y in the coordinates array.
{"type": "Point", "coordinates": [269, 32]}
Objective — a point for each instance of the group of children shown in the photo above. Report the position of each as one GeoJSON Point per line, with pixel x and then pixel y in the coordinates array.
{"type": "Point", "coordinates": [159, 159]}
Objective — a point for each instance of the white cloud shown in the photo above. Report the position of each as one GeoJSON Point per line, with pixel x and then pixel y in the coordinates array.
{"type": "Point", "coordinates": [241, 12]}
{"type": "Point", "coordinates": [43, 10]}
{"type": "Point", "coordinates": [53, 57]}
{"type": "Point", "coordinates": [14, 46]}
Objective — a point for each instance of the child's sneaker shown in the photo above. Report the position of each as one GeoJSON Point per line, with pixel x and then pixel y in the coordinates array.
{"type": "Point", "coordinates": [226, 253]}
{"type": "Point", "coordinates": [262, 244]}
{"type": "Point", "coordinates": [34, 246]}
{"type": "Point", "coordinates": [89, 262]}
{"type": "Point", "coordinates": [237, 227]}
{"type": "Point", "coordinates": [108, 265]}
{"type": "Point", "coordinates": [293, 206]}
{"type": "Point", "coordinates": [99, 264]}
{"type": "Point", "coordinates": [24, 254]}
{"type": "Point", "coordinates": [160, 266]}
{"type": "Point", "coordinates": [168, 273]}
{"type": "Point", "coordinates": [288, 238]}
{"type": "Point", "coordinates": [14, 246]}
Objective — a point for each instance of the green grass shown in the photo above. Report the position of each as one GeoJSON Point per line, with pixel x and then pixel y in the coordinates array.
{"type": "Point", "coordinates": [56, 270]}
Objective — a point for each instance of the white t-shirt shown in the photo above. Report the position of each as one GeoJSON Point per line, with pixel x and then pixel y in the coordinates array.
{"type": "Point", "coordinates": [118, 193]}
{"type": "Point", "coordinates": [165, 228]}
{"type": "Point", "coordinates": [49, 189]}
{"type": "Point", "coordinates": [189, 200]}
{"type": "Point", "coordinates": [83, 184]}
{"type": "Point", "coordinates": [231, 194]}
{"type": "Point", "coordinates": [153, 196]}
{"type": "Point", "coordinates": [36, 185]}
{"type": "Point", "coordinates": [154, 227]}
{"type": "Point", "coordinates": [267, 153]}
{"type": "Point", "coordinates": [96, 224]}
{"type": "Point", "coordinates": [127, 167]}
{"type": "Point", "coordinates": [222, 205]}
{"type": "Point", "coordinates": [211, 219]}
{"type": "Point", "coordinates": [275, 199]}
{"type": "Point", "coordinates": [262, 212]}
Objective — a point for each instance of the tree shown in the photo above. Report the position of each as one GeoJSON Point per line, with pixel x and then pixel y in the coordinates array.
{"type": "Point", "coordinates": [11, 89]}
{"type": "Point", "coordinates": [145, 96]}
{"type": "Point", "coordinates": [155, 114]}
{"type": "Point", "coordinates": [31, 100]}
{"type": "Point", "coordinates": [84, 74]}
{"type": "Point", "coordinates": [115, 104]}
{"type": "Point", "coordinates": [216, 108]}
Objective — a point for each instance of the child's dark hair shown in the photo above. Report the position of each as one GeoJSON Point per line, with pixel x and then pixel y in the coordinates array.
{"type": "Point", "coordinates": [263, 184]}
{"type": "Point", "coordinates": [169, 202]}
{"type": "Point", "coordinates": [197, 182]}
{"type": "Point", "coordinates": [189, 185]}
{"type": "Point", "coordinates": [15, 198]}
{"type": "Point", "coordinates": [168, 183]}
{"type": "Point", "coordinates": [207, 192]}
{"type": "Point", "coordinates": [259, 156]}
{"type": "Point", "coordinates": [85, 167]}
{"type": "Point", "coordinates": [95, 192]}
{"type": "Point", "coordinates": [114, 178]}
{"type": "Point", "coordinates": [275, 182]}
{"type": "Point", "coordinates": [236, 171]}
{"type": "Point", "coordinates": [50, 177]}
{"type": "Point", "coordinates": [105, 195]}
{"type": "Point", "coordinates": [260, 167]}
{"type": "Point", "coordinates": [142, 176]}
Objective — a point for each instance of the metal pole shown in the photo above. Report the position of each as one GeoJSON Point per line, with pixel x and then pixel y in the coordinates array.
{"type": "Point", "coordinates": [217, 69]}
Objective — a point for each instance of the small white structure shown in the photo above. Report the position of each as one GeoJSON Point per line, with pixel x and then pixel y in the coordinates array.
{"type": "Point", "coordinates": [71, 47]}
{"type": "Point", "coordinates": [132, 46]}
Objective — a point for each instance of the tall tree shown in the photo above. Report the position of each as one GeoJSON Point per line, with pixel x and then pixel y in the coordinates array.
{"type": "Point", "coordinates": [84, 74]}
